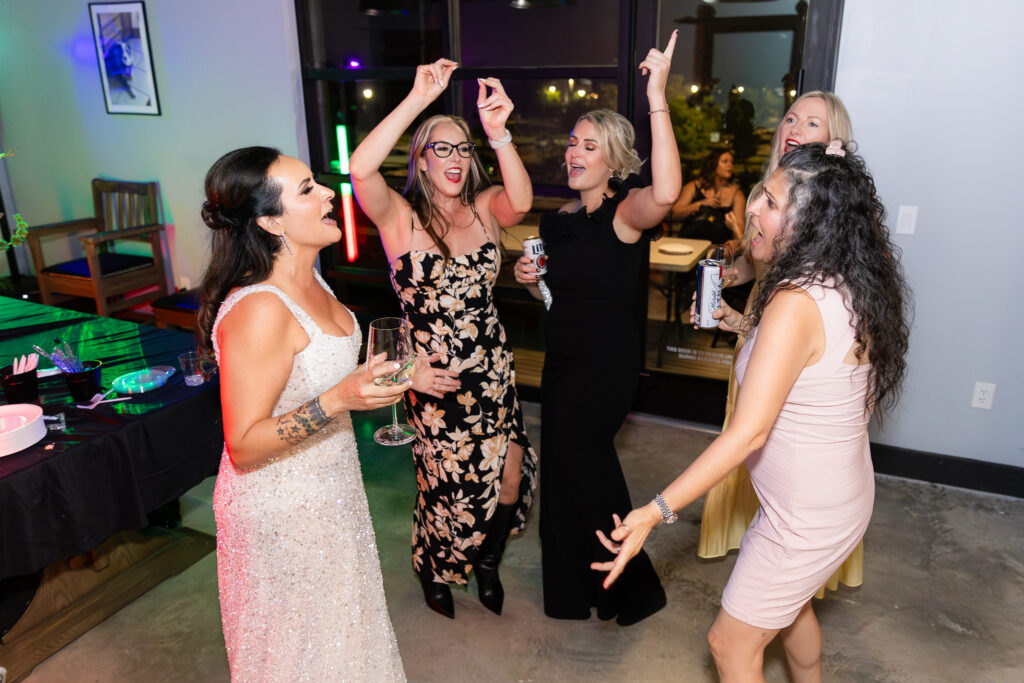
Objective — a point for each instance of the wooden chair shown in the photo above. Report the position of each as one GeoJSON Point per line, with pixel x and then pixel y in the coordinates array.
{"type": "Point", "coordinates": [123, 210]}
{"type": "Point", "coordinates": [178, 309]}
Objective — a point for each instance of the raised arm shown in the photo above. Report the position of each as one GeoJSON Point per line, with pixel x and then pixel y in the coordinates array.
{"type": "Point", "coordinates": [258, 340]}
{"type": "Point", "coordinates": [790, 337]}
{"type": "Point", "coordinates": [509, 203]}
{"type": "Point", "coordinates": [379, 202]}
{"type": "Point", "coordinates": [646, 207]}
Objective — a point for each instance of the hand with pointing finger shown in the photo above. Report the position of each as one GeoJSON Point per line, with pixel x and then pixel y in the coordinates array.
{"type": "Point", "coordinates": [658, 64]}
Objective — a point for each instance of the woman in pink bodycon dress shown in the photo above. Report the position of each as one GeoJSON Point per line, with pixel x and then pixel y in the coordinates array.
{"type": "Point", "coordinates": [827, 339]}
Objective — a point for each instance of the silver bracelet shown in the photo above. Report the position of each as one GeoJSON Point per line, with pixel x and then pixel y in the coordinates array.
{"type": "Point", "coordinates": [655, 111]}
{"type": "Point", "coordinates": [501, 142]}
{"type": "Point", "coordinates": [667, 516]}
{"type": "Point", "coordinates": [545, 294]}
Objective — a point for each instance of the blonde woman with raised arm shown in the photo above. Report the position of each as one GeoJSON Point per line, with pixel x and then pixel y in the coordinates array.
{"type": "Point", "coordinates": [597, 246]}
{"type": "Point", "coordinates": [475, 468]}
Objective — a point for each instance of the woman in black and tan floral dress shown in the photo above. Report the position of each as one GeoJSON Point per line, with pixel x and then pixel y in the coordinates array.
{"type": "Point", "coordinates": [475, 468]}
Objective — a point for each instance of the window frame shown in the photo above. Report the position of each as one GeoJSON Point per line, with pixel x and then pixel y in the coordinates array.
{"type": "Point", "coordinates": [661, 392]}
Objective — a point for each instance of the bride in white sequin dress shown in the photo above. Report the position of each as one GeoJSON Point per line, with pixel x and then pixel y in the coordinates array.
{"type": "Point", "coordinates": [301, 593]}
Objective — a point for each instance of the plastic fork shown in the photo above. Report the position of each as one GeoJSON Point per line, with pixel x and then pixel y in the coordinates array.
{"type": "Point", "coordinates": [96, 399]}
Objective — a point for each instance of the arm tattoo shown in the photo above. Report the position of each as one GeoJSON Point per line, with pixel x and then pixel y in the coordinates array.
{"type": "Point", "coordinates": [301, 423]}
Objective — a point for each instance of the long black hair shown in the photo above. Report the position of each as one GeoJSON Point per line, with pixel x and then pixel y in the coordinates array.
{"type": "Point", "coordinates": [834, 229]}
{"type": "Point", "coordinates": [238, 191]}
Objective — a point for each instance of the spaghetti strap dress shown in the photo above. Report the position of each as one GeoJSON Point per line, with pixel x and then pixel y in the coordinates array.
{"type": "Point", "coordinates": [709, 222]}
{"type": "Point", "coordinates": [463, 438]}
{"type": "Point", "coordinates": [301, 592]}
{"type": "Point", "coordinates": [813, 478]}
{"type": "Point", "coordinates": [591, 373]}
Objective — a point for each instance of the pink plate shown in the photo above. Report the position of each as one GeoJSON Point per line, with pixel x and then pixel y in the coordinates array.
{"type": "Point", "coordinates": [21, 425]}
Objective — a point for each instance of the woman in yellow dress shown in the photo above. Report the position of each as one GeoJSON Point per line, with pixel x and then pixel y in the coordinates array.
{"type": "Point", "coordinates": [815, 116]}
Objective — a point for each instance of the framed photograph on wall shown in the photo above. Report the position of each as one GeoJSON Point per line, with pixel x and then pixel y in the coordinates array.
{"type": "Point", "coordinates": [121, 35]}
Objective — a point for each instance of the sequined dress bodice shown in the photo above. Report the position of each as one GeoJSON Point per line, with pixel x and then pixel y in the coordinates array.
{"type": "Point", "coordinates": [300, 584]}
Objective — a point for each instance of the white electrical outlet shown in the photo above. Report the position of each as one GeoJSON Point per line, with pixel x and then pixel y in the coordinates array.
{"type": "Point", "coordinates": [984, 392]}
{"type": "Point", "coordinates": [184, 282]}
{"type": "Point", "coordinates": [906, 220]}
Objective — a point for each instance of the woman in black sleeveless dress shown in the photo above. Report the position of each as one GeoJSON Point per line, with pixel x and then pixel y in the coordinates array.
{"type": "Point", "coordinates": [712, 206]}
{"type": "Point", "coordinates": [475, 468]}
{"type": "Point", "coordinates": [596, 253]}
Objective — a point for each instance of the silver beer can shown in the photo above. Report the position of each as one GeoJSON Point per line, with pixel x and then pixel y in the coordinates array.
{"type": "Point", "coordinates": [533, 248]}
{"type": "Point", "coordinates": [709, 292]}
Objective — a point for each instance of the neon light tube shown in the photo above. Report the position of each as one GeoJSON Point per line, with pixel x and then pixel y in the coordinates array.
{"type": "Point", "coordinates": [349, 220]}
{"type": "Point", "coordinates": [341, 133]}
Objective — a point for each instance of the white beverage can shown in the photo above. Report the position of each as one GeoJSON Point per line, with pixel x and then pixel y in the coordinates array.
{"type": "Point", "coordinates": [709, 292]}
{"type": "Point", "coordinates": [533, 249]}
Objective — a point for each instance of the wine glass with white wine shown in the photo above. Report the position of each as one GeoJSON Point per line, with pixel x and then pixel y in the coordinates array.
{"type": "Point", "coordinates": [390, 336]}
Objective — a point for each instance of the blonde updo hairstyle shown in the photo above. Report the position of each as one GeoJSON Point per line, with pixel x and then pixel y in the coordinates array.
{"type": "Point", "coordinates": [616, 139]}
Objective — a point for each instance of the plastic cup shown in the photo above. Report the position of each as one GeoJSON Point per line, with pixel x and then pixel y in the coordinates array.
{"type": "Point", "coordinates": [20, 388]}
{"type": "Point", "coordinates": [84, 384]}
{"type": "Point", "coordinates": [190, 367]}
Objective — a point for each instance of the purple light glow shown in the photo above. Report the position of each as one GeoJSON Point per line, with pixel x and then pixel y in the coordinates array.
{"type": "Point", "coordinates": [354, 63]}
{"type": "Point", "coordinates": [83, 49]}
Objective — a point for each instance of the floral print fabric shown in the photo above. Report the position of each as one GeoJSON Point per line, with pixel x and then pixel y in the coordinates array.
{"type": "Point", "coordinates": [464, 437]}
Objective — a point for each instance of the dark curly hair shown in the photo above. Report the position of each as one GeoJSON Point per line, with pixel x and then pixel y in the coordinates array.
{"type": "Point", "coordinates": [834, 229]}
{"type": "Point", "coordinates": [238, 191]}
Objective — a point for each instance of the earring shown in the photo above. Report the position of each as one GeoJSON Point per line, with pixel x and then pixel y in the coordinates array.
{"type": "Point", "coordinates": [285, 243]}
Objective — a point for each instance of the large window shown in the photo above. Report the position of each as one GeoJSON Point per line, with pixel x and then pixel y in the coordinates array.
{"type": "Point", "coordinates": [738, 65]}
{"type": "Point", "coordinates": [736, 72]}
{"type": "Point", "coordinates": [538, 34]}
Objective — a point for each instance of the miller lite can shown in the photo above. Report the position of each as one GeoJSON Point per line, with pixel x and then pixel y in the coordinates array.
{"type": "Point", "coordinates": [709, 292]}
{"type": "Point", "coordinates": [533, 248]}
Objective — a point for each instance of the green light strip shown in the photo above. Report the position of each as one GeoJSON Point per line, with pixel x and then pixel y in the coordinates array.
{"type": "Point", "coordinates": [342, 134]}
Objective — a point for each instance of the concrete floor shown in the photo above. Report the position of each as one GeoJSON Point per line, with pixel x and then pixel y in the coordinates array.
{"type": "Point", "coordinates": [941, 601]}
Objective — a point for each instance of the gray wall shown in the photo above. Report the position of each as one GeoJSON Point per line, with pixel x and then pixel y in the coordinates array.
{"type": "Point", "coordinates": [227, 75]}
{"type": "Point", "coordinates": [934, 88]}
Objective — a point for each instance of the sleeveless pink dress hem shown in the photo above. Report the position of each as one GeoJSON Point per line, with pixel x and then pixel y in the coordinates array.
{"type": "Point", "coordinates": [813, 477]}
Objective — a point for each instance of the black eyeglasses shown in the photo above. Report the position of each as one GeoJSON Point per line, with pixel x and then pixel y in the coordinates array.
{"type": "Point", "coordinates": [443, 149]}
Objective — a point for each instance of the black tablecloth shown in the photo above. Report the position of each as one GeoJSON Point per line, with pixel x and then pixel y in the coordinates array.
{"type": "Point", "coordinates": [113, 465]}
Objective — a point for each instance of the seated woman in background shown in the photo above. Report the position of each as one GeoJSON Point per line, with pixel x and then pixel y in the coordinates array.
{"type": "Point", "coordinates": [827, 343]}
{"type": "Point", "coordinates": [712, 207]}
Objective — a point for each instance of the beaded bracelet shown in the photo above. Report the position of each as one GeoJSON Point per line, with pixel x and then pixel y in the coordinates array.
{"type": "Point", "coordinates": [655, 111]}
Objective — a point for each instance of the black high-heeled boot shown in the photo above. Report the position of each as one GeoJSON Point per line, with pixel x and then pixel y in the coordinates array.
{"type": "Point", "coordinates": [492, 594]}
{"type": "Point", "coordinates": [438, 597]}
